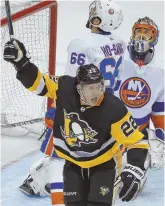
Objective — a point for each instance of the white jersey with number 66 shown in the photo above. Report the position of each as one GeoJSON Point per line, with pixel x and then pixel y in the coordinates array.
{"type": "Point", "coordinates": [103, 50]}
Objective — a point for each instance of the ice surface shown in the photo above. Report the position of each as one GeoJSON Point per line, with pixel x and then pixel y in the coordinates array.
{"type": "Point", "coordinates": [13, 176]}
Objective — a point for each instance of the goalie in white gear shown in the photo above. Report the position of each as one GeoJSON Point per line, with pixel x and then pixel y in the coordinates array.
{"type": "Point", "coordinates": [140, 86]}
{"type": "Point", "coordinates": [145, 35]}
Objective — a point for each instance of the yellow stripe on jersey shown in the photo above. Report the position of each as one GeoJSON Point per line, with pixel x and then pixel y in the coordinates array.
{"type": "Point", "coordinates": [142, 144]}
{"type": "Point", "coordinates": [51, 86]}
{"type": "Point", "coordinates": [44, 81]}
{"type": "Point", "coordinates": [125, 131]}
{"type": "Point", "coordinates": [139, 146]}
{"type": "Point", "coordinates": [91, 163]}
{"type": "Point", "coordinates": [37, 82]}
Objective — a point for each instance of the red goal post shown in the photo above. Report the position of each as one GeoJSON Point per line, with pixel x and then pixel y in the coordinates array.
{"type": "Point", "coordinates": [34, 24]}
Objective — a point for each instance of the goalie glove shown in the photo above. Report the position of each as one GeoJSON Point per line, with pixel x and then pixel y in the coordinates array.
{"type": "Point", "coordinates": [131, 179]}
{"type": "Point", "coordinates": [15, 53]}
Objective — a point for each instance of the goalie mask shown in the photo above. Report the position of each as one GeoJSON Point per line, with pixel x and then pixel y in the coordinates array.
{"type": "Point", "coordinates": [145, 34]}
{"type": "Point", "coordinates": [90, 85]}
{"type": "Point", "coordinates": [108, 12]}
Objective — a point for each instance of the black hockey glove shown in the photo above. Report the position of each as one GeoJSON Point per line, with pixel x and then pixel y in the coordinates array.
{"type": "Point", "coordinates": [15, 53]}
{"type": "Point", "coordinates": [131, 177]}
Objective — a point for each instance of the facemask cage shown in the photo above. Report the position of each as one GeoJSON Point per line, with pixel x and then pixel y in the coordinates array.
{"type": "Point", "coordinates": [145, 30]}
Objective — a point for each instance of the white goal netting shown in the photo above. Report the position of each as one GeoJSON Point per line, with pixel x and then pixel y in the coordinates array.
{"type": "Point", "coordinates": [19, 107]}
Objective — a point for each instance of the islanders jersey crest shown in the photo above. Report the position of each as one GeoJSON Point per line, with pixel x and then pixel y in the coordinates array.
{"type": "Point", "coordinates": [135, 92]}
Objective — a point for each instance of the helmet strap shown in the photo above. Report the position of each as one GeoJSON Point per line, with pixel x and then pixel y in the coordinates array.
{"type": "Point", "coordinates": [82, 97]}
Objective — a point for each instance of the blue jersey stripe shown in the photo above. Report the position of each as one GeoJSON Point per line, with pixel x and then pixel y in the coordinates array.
{"type": "Point", "coordinates": [46, 140]}
{"type": "Point", "coordinates": [158, 107]}
{"type": "Point", "coordinates": [57, 185]}
{"type": "Point", "coordinates": [142, 120]}
{"type": "Point", "coordinates": [55, 154]}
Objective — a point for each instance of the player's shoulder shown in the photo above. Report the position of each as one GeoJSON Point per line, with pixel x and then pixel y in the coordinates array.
{"type": "Point", "coordinates": [156, 69]}
{"type": "Point", "coordinates": [91, 40]}
{"type": "Point", "coordinates": [158, 60]}
{"type": "Point", "coordinates": [78, 43]}
{"type": "Point", "coordinates": [116, 103]}
{"type": "Point", "coordinates": [66, 80]}
{"type": "Point", "coordinates": [156, 66]}
{"type": "Point", "coordinates": [116, 106]}
{"type": "Point", "coordinates": [66, 84]}
{"type": "Point", "coordinates": [150, 70]}
{"type": "Point", "coordinates": [117, 39]}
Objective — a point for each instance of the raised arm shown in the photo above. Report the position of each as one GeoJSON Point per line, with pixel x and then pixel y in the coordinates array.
{"type": "Point", "coordinates": [28, 73]}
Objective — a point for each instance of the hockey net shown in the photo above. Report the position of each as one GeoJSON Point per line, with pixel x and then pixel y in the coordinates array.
{"type": "Point", "coordinates": [34, 24]}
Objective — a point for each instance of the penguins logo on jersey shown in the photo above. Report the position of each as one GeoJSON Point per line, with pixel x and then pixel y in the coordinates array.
{"type": "Point", "coordinates": [135, 92]}
{"type": "Point", "coordinates": [77, 131]}
{"type": "Point", "coordinates": [104, 190]}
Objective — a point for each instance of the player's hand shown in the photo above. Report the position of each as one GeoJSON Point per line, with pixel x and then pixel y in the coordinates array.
{"type": "Point", "coordinates": [131, 179]}
{"type": "Point", "coordinates": [15, 53]}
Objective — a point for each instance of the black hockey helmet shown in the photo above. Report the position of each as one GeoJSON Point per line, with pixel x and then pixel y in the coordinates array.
{"type": "Point", "coordinates": [89, 74]}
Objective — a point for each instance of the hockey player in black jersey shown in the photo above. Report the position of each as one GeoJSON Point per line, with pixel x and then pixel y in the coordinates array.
{"type": "Point", "coordinates": [89, 127]}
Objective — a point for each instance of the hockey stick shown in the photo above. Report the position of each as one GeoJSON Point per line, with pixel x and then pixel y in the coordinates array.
{"type": "Point", "coordinates": [33, 121]}
{"type": "Point", "coordinates": [43, 134]}
{"type": "Point", "coordinates": [9, 22]}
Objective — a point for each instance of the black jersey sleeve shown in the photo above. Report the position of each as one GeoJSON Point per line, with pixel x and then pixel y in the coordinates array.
{"type": "Point", "coordinates": [36, 82]}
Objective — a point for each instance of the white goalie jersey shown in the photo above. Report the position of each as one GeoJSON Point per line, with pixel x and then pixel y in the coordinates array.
{"type": "Point", "coordinates": [142, 91]}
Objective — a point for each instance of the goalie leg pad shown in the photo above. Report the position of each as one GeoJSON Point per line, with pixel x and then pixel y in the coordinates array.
{"type": "Point", "coordinates": [37, 182]}
{"type": "Point", "coordinates": [26, 188]}
{"type": "Point", "coordinates": [156, 143]}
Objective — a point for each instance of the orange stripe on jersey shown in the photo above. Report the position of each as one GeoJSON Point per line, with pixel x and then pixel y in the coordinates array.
{"type": "Point", "coordinates": [100, 100]}
{"type": "Point", "coordinates": [50, 146]}
{"type": "Point", "coordinates": [57, 198]}
{"type": "Point", "coordinates": [141, 127]}
{"type": "Point", "coordinates": [158, 121]}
